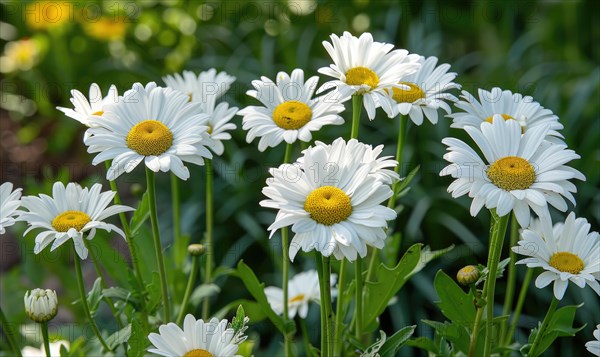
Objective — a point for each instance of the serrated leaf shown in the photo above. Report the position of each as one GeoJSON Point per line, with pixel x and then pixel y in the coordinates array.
{"type": "Point", "coordinates": [154, 293]}
{"type": "Point", "coordinates": [119, 337]}
{"type": "Point", "coordinates": [257, 290]}
{"type": "Point", "coordinates": [94, 296]}
{"type": "Point", "coordinates": [455, 304]}
{"type": "Point", "coordinates": [485, 271]}
{"type": "Point", "coordinates": [458, 335]}
{"type": "Point", "coordinates": [561, 325]}
{"type": "Point", "coordinates": [251, 308]}
{"type": "Point", "coordinates": [138, 341]}
{"type": "Point", "coordinates": [397, 340]}
{"type": "Point", "coordinates": [140, 215]}
{"type": "Point", "coordinates": [373, 350]}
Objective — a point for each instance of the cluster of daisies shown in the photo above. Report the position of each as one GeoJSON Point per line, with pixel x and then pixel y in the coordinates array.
{"type": "Point", "coordinates": [333, 197]}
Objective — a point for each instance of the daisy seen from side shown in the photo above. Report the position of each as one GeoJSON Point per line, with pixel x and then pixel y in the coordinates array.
{"type": "Point", "coordinates": [202, 86]}
{"type": "Point", "coordinates": [9, 205]}
{"type": "Point", "coordinates": [86, 109]}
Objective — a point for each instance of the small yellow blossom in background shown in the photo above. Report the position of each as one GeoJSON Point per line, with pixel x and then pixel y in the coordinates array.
{"type": "Point", "coordinates": [107, 28]}
{"type": "Point", "coordinates": [20, 55]}
{"type": "Point", "coordinates": [42, 15]}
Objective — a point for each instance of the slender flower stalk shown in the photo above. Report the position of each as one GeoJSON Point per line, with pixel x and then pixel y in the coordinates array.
{"type": "Point", "coordinates": [498, 230]}
{"type": "Point", "coordinates": [84, 304]}
{"type": "Point", "coordinates": [151, 189]}
{"type": "Point", "coordinates": [305, 336]}
{"type": "Point", "coordinates": [106, 299]}
{"type": "Point", "coordinates": [46, 338]}
{"type": "Point", "coordinates": [512, 276]}
{"type": "Point", "coordinates": [180, 245]}
{"type": "Point", "coordinates": [10, 334]}
{"type": "Point", "coordinates": [538, 338]}
{"type": "Point", "coordinates": [359, 295]}
{"type": "Point", "coordinates": [399, 150]}
{"type": "Point", "coordinates": [339, 310]}
{"type": "Point", "coordinates": [188, 289]}
{"type": "Point", "coordinates": [327, 301]}
{"type": "Point", "coordinates": [210, 249]}
{"type": "Point", "coordinates": [324, 324]}
{"type": "Point", "coordinates": [286, 265]}
{"type": "Point", "coordinates": [519, 306]}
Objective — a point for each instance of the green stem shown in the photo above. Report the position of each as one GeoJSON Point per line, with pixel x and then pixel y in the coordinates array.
{"type": "Point", "coordinates": [540, 334]}
{"type": "Point", "coordinates": [305, 337]}
{"type": "Point", "coordinates": [106, 299]}
{"type": "Point", "coordinates": [356, 108]}
{"type": "Point", "coordinates": [324, 333]}
{"type": "Point", "coordinates": [399, 150]}
{"type": "Point", "coordinates": [327, 302]}
{"type": "Point", "coordinates": [129, 239]}
{"type": "Point", "coordinates": [84, 303]}
{"type": "Point", "coordinates": [474, 334]}
{"type": "Point", "coordinates": [286, 266]}
{"type": "Point", "coordinates": [151, 189]}
{"type": "Point", "coordinates": [45, 337]}
{"type": "Point", "coordinates": [512, 275]}
{"type": "Point", "coordinates": [339, 310]}
{"type": "Point", "coordinates": [180, 246]}
{"type": "Point", "coordinates": [358, 296]}
{"type": "Point", "coordinates": [498, 230]}
{"type": "Point", "coordinates": [210, 249]}
{"type": "Point", "coordinates": [519, 307]}
{"type": "Point", "coordinates": [188, 289]}
{"type": "Point", "coordinates": [10, 334]}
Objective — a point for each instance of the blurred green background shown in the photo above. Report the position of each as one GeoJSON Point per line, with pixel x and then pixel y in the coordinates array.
{"type": "Point", "coordinates": [547, 49]}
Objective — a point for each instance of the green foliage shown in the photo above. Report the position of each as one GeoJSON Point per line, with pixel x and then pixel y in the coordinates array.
{"type": "Point", "coordinates": [95, 296]}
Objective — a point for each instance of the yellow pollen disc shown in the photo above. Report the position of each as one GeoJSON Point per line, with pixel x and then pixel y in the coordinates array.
{"type": "Point", "coordinates": [511, 173]}
{"type": "Point", "coordinates": [198, 353]}
{"type": "Point", "coordinates": [410, 95]}
{"type": "Point", "coordinates": [292, 115]}
{"type": "Point", "coordinates": [505, 116]}
{"type": "Point", "coordinates": [566, 262]}
{"type": "Point", "coordinates": [328, 205]}
{"type": "Point", "coordinates": [149, 138]}
{"type": "Point", "coordinates": [98, 113]}
{"type": "Point", "coordinates": [297, 298]}
{"type": "Point", "coordinates": [190, 95]}
{"type": "Point", "coordinates": [362, 75]}
{"type": "Point", "coordinates": [209, 130]}
{"type": "Point", "coordinates": [70, 219]}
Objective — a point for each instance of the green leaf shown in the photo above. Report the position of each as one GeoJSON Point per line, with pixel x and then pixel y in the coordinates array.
{"type": "Point", "coordinates": [138, 341]}
{"type": "Point", "coordinates": [94, 296]}
{"type": "Point", "coordinates": [154, 293]}
{"type": "Point", "coordinates": [373, 350]}
{"type": "Point", "coordinates": [406, 181]}
{"type": "Point", "coordinates": [397, 340]}
{"type": "Point", "coordinates": [118, 293]}
{"type": "Point", "coordinates": [561, 325]}
{"type": "Point", "coordinates": [455, 304]}
{"type": "Point", "coordinates": [119, 337]}
{"type": "Point", "coordinates": [485, 271]}
{"type": "Point", "coordinates": [254, 310]}
{"type": "Point", "coordinates": [202, 291]}
{"type": "Point", "coordinates": [424, 343]}
{"type": "Point", "coordinates": [237, 323]}
{"type": "Point", "coordinates": [257, 290]}
{"type": "Point", "coordinates": [141, 214]}
{"type": "Point", "coordinates": [458, 335]}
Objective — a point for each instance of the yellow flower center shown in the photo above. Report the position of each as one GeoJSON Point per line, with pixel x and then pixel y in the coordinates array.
{"type": "Point", "coordinates": [511, 173]}
{"type": "Point", "coordinates": [292, 115]}
{"type": "Point", "coordinates": [566, 262]}
{"type": "Point", "coordinates": [149, 138]}
{"type": "Point", "coordinates": [198, 353]}
{"type": "Point", "coordinates": [410, 95]}
{"type": "Point", "coordinates": [98, 113]}
{"type": "Point", "coordinates": [209, 130]}
{"type": "Point", "coordinates": [328, 205]}
{"type": "Point", "coordinates": [505, 116]}
{"type": "Point", "coordinates": [297, 298]}
{"type": "Point", "coordinates": [70, 219]}
{"type": "Point", "coordinates": [362, 75]}
{"type": "Point", "coordinates": [190, 96]}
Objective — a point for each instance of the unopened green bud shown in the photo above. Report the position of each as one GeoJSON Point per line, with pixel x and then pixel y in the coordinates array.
{"type": "Point", "coordinates": [41, 305]}
{"type": "Point", "coordinates": [467, 275]}
{"type": "Point", "coordinates": [196, 250]}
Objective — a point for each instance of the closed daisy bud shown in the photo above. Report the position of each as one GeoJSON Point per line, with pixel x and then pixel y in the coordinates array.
{"type": "Point", "coordinates": [467, 275]}
{"type": "Point", "coordinates": [196, 250]}
{"type": "Point", "coordinates": [41, 305]}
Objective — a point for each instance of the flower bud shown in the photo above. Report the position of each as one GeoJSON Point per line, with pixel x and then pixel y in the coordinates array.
{"type": "Point", "coordinates": [196, 250]}
{"type": "Point", "coordinates": [467, 275]}
{"type": "Point", "coordinates": [41, 305]}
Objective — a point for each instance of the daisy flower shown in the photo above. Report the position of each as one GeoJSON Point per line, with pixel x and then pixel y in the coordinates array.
{"type": "Point", "coordinates": [506, 105]}
{"type": "Point", "coordinates": [93, 108]}
{"type": "Point", "coordinates": [200, 87]}
{"type": "Point", "coordinates": [218, 123]}
{"type": "Point", "coordinates": [198, 338]}
{"type": "Point", "coordinates": [594, 346]}
{"type": "Point", "coordinates": [302, 288]}
{"type": "Point", "coordinates": [71, 213]}
{"type": "Point", "coordinates": [362, 66]}
{"type": "Point", "coordinates": [39, 352]}
{"type": "Point", "coordinates": [424, 92]}
{"type": "Point", "coordinates": [151, 124]}
{"type": "Point", "coordinates": [9, 203]}
{"type": "Point", "coordinates": [569, 252]}
{"type": "Point", "coordinates": [331, 200]}
{"type": "Point", "coordinates": [518, 172]}
{"type": "Point", "coordinates": [290, 112]}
